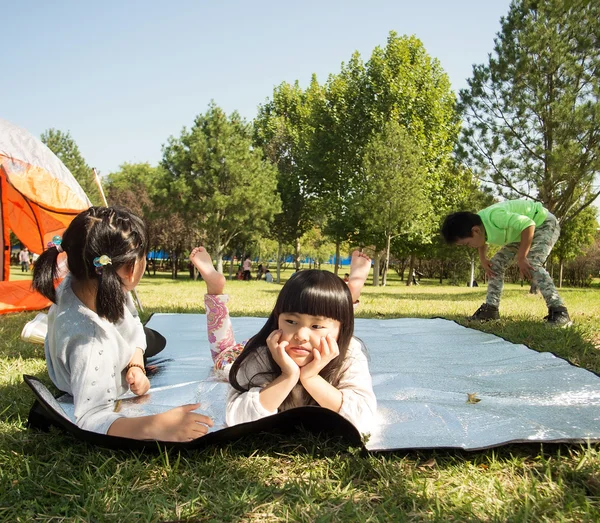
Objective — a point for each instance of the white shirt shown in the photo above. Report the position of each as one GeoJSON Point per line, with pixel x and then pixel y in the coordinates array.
{"type": "Point", "coordinates": [86, 356]}
{"type": "Point", "coordinates": [358, 399]}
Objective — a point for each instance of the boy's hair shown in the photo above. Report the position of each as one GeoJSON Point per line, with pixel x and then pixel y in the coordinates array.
{"type": "Point", "coordinates": [111, 231]}
{"type": "Point", "coordinates": [314, 292]}
{"type": "Point", "coordinates": [458, 225]}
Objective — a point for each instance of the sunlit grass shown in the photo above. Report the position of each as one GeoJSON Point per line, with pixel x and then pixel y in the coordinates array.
{"type": "Point", "coordinates": [305, 477]}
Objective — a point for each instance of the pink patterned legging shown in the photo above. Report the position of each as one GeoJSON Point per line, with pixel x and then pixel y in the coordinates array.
{"type": "Point", "coordinates": [223, 348]}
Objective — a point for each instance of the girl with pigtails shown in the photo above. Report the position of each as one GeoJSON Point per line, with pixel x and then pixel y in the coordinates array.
{"type": "Point", "coordinates": [96, 345]}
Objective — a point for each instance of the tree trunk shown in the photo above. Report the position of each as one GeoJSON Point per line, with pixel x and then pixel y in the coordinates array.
{"type": "Point", "coordinates": [472, 272]}
{"type": "Point", "coordinates": [219, 257]}
{"type": "Point", "coordinates": [386, 266]}
{"type": "Point", "coordinates": [297, 254]}
{"type": "Point", "coordinates": [560, 273]}
{"type": "Point", "coordinates": [411, 270]}
{"type": "Point", "coordinates": [376, 269]}
{"type": "Point", "coordinates": [441, 272]}
{"type": "Point", "coordinates": [231, 267]}
{"type": "Point", "coordinates": [174, 264]}
{"type": "Point", "coordinates": [279, 261]}
{"type": "Point", "coordinates": [337, 257]}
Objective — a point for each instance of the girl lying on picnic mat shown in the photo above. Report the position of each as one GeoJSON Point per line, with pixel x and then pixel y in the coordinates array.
{"type": "Point", "coordinates": [96, 344]}
{"type": "Point", "coordinates": [304, 355]}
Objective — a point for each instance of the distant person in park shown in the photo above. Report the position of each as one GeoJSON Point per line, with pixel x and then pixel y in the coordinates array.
{"type": "Point", "coordinates": [525, 229]}
{"type": "Point", "coordinates": [24, 259]}
{"type": "Point", "coordinates": [268, 276]}
{"type": "Point", "coordinates": [96, 344]}
{"type": "Point", "coordinates": [304, 355]}
{"type": "Point", "coordinates": [346, 277]}
{"type": "Point", "coordinates": [259, 271]}
{"type": "Point", "coordinates": [247, 266]}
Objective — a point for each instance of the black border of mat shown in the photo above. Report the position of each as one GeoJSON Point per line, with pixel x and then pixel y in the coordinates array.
{"type": "Point", "coordinates": [42, 416]}
{"type": "Point", "coordinates": [312, 418]}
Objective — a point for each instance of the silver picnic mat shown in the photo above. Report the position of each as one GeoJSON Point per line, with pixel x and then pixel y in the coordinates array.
{"type": "Point", "coordinates": [423, 373]}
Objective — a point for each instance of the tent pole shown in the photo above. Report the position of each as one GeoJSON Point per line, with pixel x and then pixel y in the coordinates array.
{"type": "Point", "coordinates": [99, 184]}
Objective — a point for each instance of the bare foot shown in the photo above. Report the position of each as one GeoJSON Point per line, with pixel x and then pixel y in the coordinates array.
{"type": "Point", "coordinates": [215, 281]}
{"type": "Point", "coordinates": [360, 265]}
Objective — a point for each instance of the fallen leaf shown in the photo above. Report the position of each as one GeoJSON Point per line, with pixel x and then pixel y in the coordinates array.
{"type": "Point", "coordinates": [472, 398]}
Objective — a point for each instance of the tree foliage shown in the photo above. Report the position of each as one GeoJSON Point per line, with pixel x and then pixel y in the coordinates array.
{"type": "Point", "coordinates": [395, 200]}
{"type": "Point", "coordinates": [282, 130]}
{"type": "Point", "coordinates": [219, 180]}
{"type": "Point", "coordinates": [532, 113]}
{"type": "Point", "coordinates": [65, 148]}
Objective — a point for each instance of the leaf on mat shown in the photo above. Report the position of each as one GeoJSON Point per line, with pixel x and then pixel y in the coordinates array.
{"type": "Point", "coordinates": [472, 398]}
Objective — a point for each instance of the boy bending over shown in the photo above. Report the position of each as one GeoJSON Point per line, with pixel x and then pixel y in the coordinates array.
{"type": "Point", "coordinates": [525, 229]}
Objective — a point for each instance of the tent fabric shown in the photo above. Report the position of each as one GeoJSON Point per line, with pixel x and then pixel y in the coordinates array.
{"type": "Point", "coordinates": [424, 372]}
{"type": "Point", "coordinates": [17, 296]}
{"type": "Point", "coordinates": [38, 199]}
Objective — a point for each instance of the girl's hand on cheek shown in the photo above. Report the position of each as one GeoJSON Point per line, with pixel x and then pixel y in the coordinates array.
{"type": "Point", "coordinates": [327, 352]}
{"type": "Point", "coordinates": [287, 365]}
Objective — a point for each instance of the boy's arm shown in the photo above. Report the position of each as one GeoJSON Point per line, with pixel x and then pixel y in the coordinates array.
{"type": "Point", "coordinates": [485, 263]}
{"type": "Point", "coordinates": [526, 239]}
{"type": "Point", "coordinates": [482, 252]}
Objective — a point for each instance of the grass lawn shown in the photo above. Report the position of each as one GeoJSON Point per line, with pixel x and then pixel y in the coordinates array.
{"type": "Point", "coordinates": [307, 478]}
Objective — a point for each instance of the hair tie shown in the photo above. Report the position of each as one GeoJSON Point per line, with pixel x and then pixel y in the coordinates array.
{"type": "Point", "coordinates": [55, 242]}
{"type": "Point", "coordinates": [100, 262]}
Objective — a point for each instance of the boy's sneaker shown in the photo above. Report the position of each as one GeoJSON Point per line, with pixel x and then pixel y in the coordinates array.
{"type": "Point", "coordinates": [558, 317]}
{"type": "Point", "coordinates": [485, 313]}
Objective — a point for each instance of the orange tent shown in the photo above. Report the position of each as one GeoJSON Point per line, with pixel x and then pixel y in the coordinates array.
{"type": "Point", "coordinates": [38, 199]}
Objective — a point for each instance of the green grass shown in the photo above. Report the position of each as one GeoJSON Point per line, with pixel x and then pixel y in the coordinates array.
{"type": "Point", "coordinates": [304, 478]}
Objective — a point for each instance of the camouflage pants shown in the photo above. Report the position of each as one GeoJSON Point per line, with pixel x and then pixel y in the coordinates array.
{"type": "Point", "coordinates": [544, 238]}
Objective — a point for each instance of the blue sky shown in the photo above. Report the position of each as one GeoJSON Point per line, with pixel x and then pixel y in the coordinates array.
{"type": "Point", "coordinates": [123, 76]}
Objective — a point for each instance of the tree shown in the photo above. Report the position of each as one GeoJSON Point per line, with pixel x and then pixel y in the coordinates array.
{"type": "Point", "coordinates": [404, 84]}
{"type": "Point", "coordinates": [65, 148]}
{"type": "Point", "coordinates": [142, 189]}
{"type": "Point", "coordinates": [281, 130]}
{"type": "Point", "coordinates": [575, 237]}
{"type": "Point", "coordinates": [219, 181]}
{"type": "Point", "coordinates": [342, 129]}
{"type": "Point", "coordinates": [532, 113]}
{"type": "Point", "coordinates": [394, 201]}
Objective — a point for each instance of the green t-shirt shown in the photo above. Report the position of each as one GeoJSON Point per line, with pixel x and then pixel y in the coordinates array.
{"type": "Point", "coordinates": [505, 221]}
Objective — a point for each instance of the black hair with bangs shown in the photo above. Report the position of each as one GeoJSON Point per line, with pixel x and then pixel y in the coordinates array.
{"type": "Point", "coordinates": [314, 292]}
{"type": "Point", "coordinates": [459, 225]}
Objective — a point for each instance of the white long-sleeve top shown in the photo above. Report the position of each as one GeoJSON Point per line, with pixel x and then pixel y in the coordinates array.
{"type": "Point", "coordinates": [86, 356]}
{"type": "Point", "coordinates": [358, 399]}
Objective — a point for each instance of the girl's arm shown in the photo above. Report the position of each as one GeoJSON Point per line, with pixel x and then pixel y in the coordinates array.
{"type": "Point", "coordinates": [139, 336]}
{"type": "Point", "coordinates": [248, 406]}
{"type": "Point", "coordinates": [324, 393]}
{"type": "Point", "coordinates": [359, 403]}
{"type": "Point", "coordinates": [135, 376]}
{"type": "Point", "coordinates": [178, 424]}
{"type": "Point", "coordinates": [258, 402]}
{"type": "Point", "coordinates": [274, 394]}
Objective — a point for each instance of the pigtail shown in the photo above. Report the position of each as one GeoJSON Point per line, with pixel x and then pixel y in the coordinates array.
{"type": "Point", "coordinates": [45, 272]}
{"type": "Point", "coordinates": [110, 298]}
